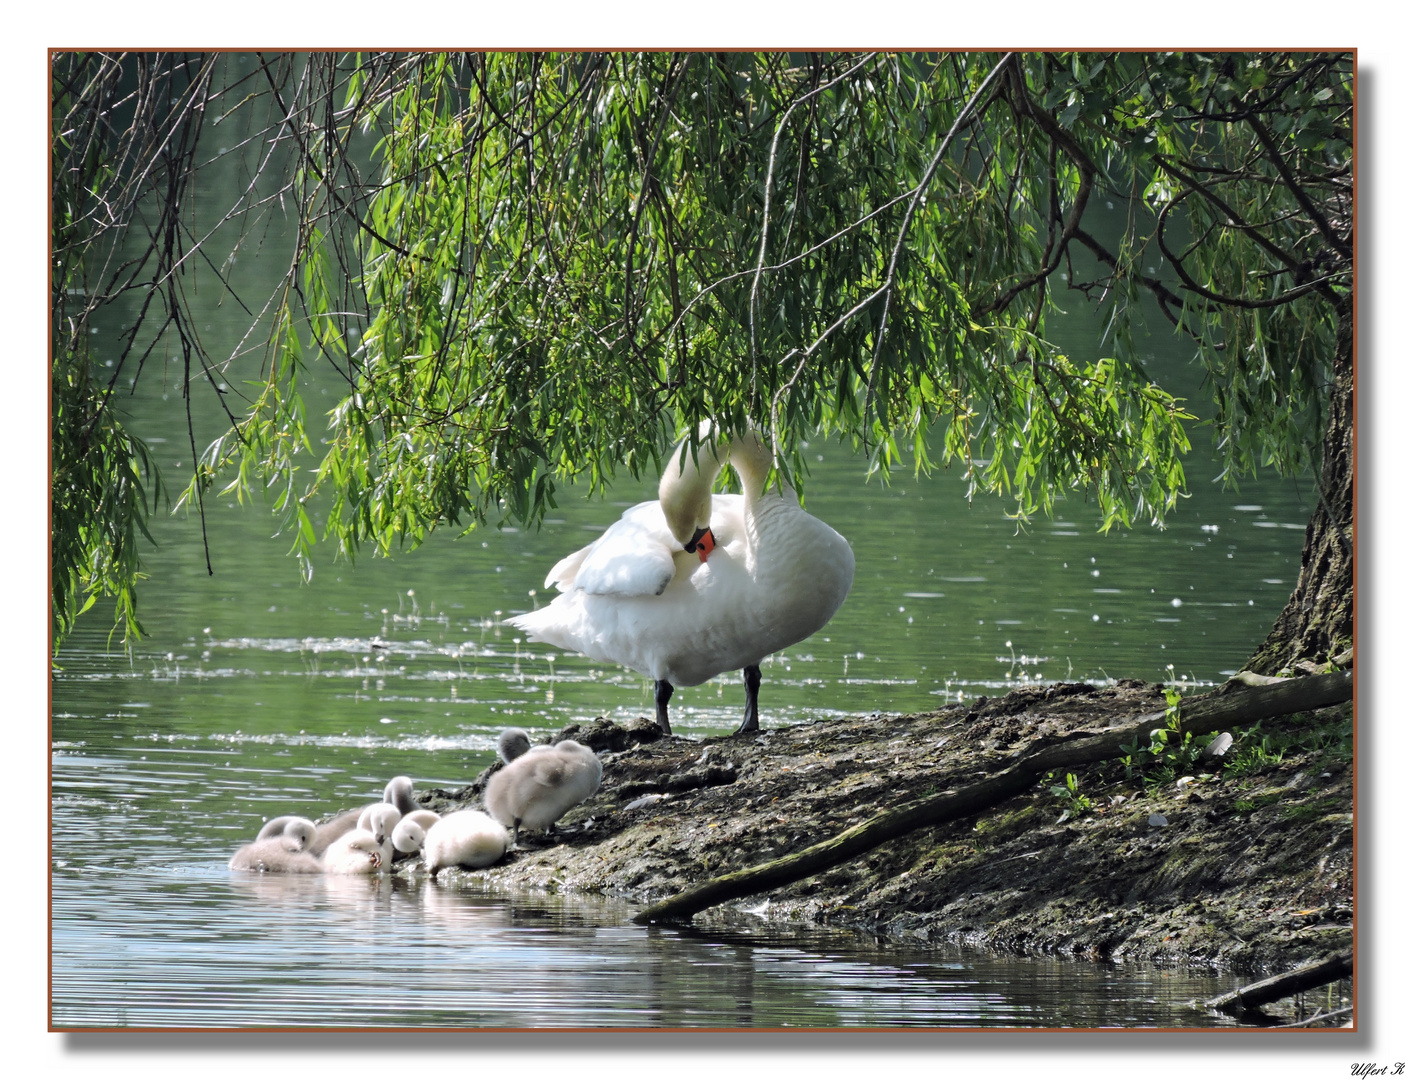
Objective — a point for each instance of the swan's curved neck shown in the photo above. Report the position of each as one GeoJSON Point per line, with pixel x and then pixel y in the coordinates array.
{"type": "Point", "coordinates": [685, 489]}
{"type": "Point", "coordinates": [752, 460]}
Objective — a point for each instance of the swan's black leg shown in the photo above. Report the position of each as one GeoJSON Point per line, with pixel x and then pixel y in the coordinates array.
{"type": "Point", "coordinates": [663, 690]}
{"type": "Point", "coordinates": [751, 721]}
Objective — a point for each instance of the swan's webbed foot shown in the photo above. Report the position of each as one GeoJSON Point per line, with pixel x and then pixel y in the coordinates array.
{"type": "Point", "coordinates": [663, 690]}
{"type": "Point", "coordinates": [751, 720]}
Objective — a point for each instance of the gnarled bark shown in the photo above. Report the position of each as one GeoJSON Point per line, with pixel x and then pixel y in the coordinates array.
{"type": "Point", "coordinates": [1317, 623]}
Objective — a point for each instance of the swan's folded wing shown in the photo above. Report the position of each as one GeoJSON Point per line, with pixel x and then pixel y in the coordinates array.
{"type": "Point", "coordinates": [563, 574]}
{"type": "Point", "coordinates": [634, 556]}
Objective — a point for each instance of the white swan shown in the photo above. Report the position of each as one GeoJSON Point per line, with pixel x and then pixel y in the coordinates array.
{"type": "Point", "coordinates": [281, 852]}
{"type": "Point", "coordinates": [538, 787]}
{"type": "Point", "coordinates": [696, 584]}
{"type": "Point", "coordinates": [463, 838]}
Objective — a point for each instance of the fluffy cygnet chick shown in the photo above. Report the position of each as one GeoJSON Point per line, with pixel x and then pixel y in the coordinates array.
{"type": "Point", "coordinates": [356, 852]}
{"type": "Point", "coordinates": [380, 820]}
{"type": "Point", "coordinates": [400, 793]}
{"type": "Point", "coordinates": [463, 838]}
{"type": "Point", "coordinates": [408, 835]}
{"type": "Point", "coordinates": [538, 787]}
{"type": "Point", "coordinates": [407, 839]}
{"type": "Point", "coordinates": [281, 852]}
{"type": "Point", "coordinates": [512, 744]}
{"type": "Point", "coordinates": [331, 831]}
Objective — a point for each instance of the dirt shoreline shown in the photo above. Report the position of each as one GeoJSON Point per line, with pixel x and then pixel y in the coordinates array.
{"type": "Point", "coordinates": [1252, 872]}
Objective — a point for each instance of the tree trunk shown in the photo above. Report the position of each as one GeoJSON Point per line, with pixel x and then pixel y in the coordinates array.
{"type": "Point", "coordinates": [1318, 622]}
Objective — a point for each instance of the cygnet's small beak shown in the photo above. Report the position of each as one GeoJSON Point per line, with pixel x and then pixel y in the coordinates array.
{"type": "Point", "coordinates": [703, 542]}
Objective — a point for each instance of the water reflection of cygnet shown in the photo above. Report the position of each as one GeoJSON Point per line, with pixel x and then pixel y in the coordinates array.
{"type": "Point", "coordinates": [358, 897]}
{"type": "Point", "coordinates": [464, 911]}
{"type": "Point", "coordinates": [293, 892]}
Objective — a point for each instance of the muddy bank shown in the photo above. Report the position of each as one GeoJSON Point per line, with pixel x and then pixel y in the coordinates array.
{"type": "Point", "coordinates": [1251, 871]}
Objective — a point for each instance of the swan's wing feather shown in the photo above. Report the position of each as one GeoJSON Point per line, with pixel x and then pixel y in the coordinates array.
{"type": "Point", "coordinates": [563, 574]}
{"type": "Point", "coordinates": [634, 556]}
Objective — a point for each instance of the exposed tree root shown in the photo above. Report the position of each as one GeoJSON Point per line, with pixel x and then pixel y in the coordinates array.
{"type": "Point", "coordinates": [1230, 706]}
{"type": "Point", "coordinates": [1249, 999]}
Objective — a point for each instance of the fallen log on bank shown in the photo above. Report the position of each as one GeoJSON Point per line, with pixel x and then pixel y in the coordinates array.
{"type": "Point", "coordinates": [1249, 999]}
{"type": "Point", "coordinates": [1230, 706]}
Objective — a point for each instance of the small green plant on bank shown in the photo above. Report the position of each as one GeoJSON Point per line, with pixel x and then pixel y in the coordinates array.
{"type": "Point", "coordinates": [1170, 753]}
{"type": "Point", "coordinates": [1257, 802]}
{"type": "Point", "coordinates": [1257, 750]}
{"type": "Point", "coordinates": [1075, 802]}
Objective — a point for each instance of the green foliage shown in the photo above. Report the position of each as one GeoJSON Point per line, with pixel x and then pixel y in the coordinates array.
{"type": "Point", "coordinates": [528, 268]}
{"type": "Point", "coordinates": [104, 487]}
{"type": "Point", "coordinates": [1067, 791]}
{"type": "Point", "coordinates": [1257, 750]}
{"type": "Point", "coordinates": [1171, 752]}
{"type": "Point", "coordinates": [103, 483]}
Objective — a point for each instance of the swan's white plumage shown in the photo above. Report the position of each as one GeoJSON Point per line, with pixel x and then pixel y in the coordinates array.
{"type": "Point", "coordinates": [635, 597]}
{"type": "Point", "coordinates": [633, 557]}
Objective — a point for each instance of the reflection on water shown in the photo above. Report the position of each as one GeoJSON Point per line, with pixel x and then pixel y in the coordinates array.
{"type": "Point", "coordinates": [151, 929]}
{"type": "Point", "coordinates": [199, 946]}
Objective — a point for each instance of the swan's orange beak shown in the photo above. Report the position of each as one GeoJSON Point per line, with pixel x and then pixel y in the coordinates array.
{"type": "Point", "coordinates": [706, 542]}
{"type": "Point", "coordinates": [703, 542]}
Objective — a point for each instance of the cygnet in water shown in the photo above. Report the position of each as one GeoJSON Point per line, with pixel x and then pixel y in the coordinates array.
{"type": "Point", "coordinates": [399, 793]}
{"type": "Point", "coordinates": [330, 831]}
{"type": "Point", "coordinates": [463, 838]}
{"type": "Point", "coordinates": [281, 852]}
{"type": "Point", "coordinates": [536, 788]}
{"type": "Point", "coordinates": [356, 852]}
